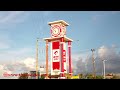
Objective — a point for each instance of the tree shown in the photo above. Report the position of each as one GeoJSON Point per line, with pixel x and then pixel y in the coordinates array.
{"type": "Point", "coordinates": [115, 77]}
{"type": "Point", "coordinates": [89, 76]}
{"type": "Point", "coordinates": [67, 75]}
{"type": "Point", "coordinates": [80, 76]}
{"type": "Point", "coordinates": [23, 76]}
{"type": "Point", "coordinates": [99, 77]}
{"type": "Point", "coordinates": [42, 76]}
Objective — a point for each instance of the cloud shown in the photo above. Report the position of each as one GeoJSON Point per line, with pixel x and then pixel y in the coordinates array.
{"type": "Point", "coordinates": [78, 61]}
{"type": "Point", "coordinates": [113, 59]}
{"type": "Point", "coordinates": [3, 70]}
{"type": "Point", "coordinates": [108, 53]}
{"type": "Point", "coordinates": [11, 18]}
{"type": "Point", "coordinates": [5, 41]}
{"type": "Point", "coordinates": [81, 54]}
{"type": "Point", "coordinates": [18, 66]}
{"type": "Point", "coordinates": [115, 12]}
{"type": "Point", "coordinates": [47, 13]}
{"type": "Point", "coordinates": [14, 54]}
{"type": "Point", "coordinates": [29, 62]}
{"type": "Point", "coordinates": [4, 45]}
{"type": "Point", "coordinates": [96, 17]}
{"type": "Point", "coordinates": [99, 15]}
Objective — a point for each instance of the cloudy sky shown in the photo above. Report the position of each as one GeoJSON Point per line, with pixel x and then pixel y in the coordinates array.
{"type": "Point", "coordinates": [88, 29]}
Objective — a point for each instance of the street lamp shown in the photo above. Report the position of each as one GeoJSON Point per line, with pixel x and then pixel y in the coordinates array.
{"type": "Point", "coordinates": [104, 67]}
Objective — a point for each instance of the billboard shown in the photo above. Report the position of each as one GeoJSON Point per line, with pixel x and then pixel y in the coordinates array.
{"type": "Point", "coordinates": [55, 58]}
{"type": "Point", "coordinates": [32, 75]}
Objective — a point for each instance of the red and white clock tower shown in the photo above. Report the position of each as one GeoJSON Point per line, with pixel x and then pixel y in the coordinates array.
{"type": "Point", "coordinates": [60, 55]}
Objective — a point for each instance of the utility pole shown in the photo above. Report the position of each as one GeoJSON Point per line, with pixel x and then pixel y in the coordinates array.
{"type": "Point", "coordinates": [46, 59]}
{"type": "Point", "coordinates": [37, 59]}
{"type": "Point", "coordinates": [86, 63]}
{"type": "Point", "coordinates": [93, 60]}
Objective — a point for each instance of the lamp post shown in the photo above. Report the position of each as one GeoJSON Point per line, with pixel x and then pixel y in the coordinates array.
{"type": "Point", "coordinates": [104, 67]}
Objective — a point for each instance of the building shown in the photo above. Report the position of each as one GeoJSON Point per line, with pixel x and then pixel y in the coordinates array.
{"type": "Point", "coordinates": [109, 76]}
{"type": "Point", "coordinates": [32, 75]}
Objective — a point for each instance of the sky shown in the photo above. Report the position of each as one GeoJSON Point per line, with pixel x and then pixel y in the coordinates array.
{"type": "Point", "coordinates": [88, 29]}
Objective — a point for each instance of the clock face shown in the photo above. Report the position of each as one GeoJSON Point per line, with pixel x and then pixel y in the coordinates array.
{"type": "Point", "coordinates": [55, 30]}
{"type": "Point", "coordinates": [63, 31]}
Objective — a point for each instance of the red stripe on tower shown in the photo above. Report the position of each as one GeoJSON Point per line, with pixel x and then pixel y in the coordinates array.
{"type": "Point", "coordinates": [55, 45]}
{"type": "Point", "coordinates": [56, 65]}
{"type": "Point", "coordinates": [69, 55]}
{"type": "Point", "coordinates": [62, 62]}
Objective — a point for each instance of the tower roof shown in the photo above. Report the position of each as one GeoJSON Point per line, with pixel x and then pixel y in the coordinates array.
{"type": "Point", "coordinates": [59, 21]}
{"type": "Point", "coordinates": [66, 39]}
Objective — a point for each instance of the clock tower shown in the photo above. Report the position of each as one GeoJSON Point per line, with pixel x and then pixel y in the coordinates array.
{"type": "Point", "coordinates": [58, 53]}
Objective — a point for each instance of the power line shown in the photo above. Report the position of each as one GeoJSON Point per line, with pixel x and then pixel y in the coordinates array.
{"type": "Point", "coordinates": [88, 50]}
{"type": "Point", "coordinates": [114, 60]}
